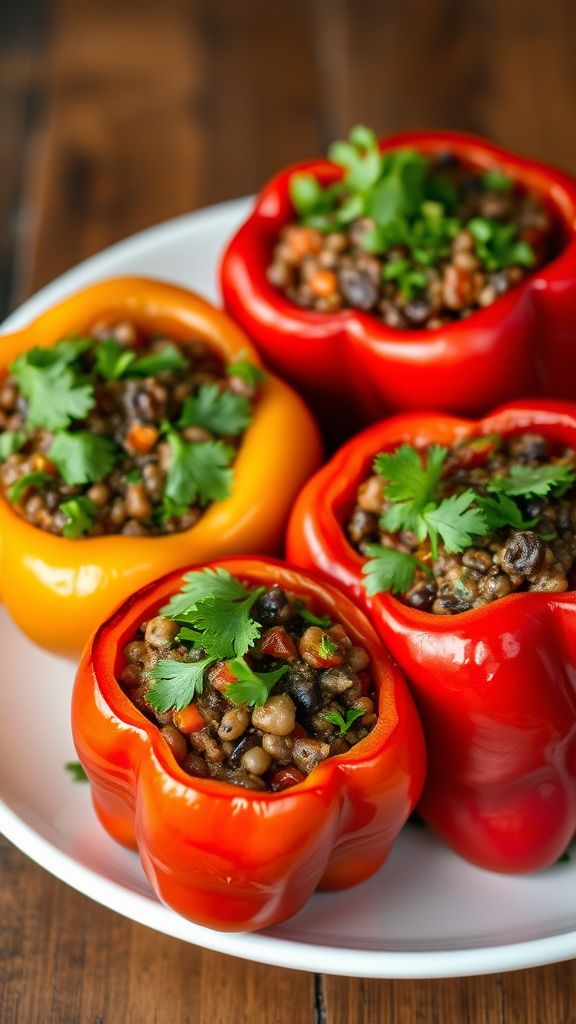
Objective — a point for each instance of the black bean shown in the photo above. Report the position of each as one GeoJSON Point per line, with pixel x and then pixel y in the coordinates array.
{"type": "Point", "coordinates": [422, 595]}
{"type": "Point", "coordinates": [417, 311]}
{"type": "Point", "coordinates": [300, 684]}
{"type": "Point", "coordinates": [273, 608]}
{"type": "Point", "coordinates": [358, 288]}
{"type": "Point", "coordinates": [524, 553]}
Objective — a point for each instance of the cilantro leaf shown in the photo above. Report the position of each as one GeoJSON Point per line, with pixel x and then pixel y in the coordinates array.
{"type": "Point", "coordinates": [220, 412]}
{"type": "Point", "coordinates": [306, 193]}
{"type": "Point", "coordinates": [503, 511]}
{"type": "Point", "coordinates": [53, 392]}
{"type": "Point", "coordinates": [408, 477]}
{"type": "Point", "coordinates": [175, 683]}
{"type": "Point", "coordinates": [112, 359]}
{"type": "Point", "coordinates": [344, 723]}
{"type": "Point", "coordinates": [76, 771]}
{"type": "Point", "coordinates": [199, 471]}
{"type": "Point", "coordinates": [252, 688]}
{"type": "Point", "coordinates": [227, 627]}
{"type": "Point", "coordinates": [83, 457]}
{"type": "Point", "coordinates": [199, 585]}
{"type": "Point", "coordinates": [11, 441]}
{"type": "Point", "coordinates": [38, 479]}
{"type": "Point", "coordinates": [170, 357]}
{"type": "Point", "coordinates": [456, 519]}
{"type": "Point", "coordinates": [389, 569]}
{"type": "Point", "coordinates": [534, 480]}
{"type": "Point", "coordinates": [251, 374]}
{"type": "Point", "coordinates": [167, 510]}
{"type": "Point", "coordinates": [80, 514]}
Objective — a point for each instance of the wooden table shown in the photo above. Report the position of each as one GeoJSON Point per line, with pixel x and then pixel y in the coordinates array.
{"type": "Point", "coordinates": [116, 114]}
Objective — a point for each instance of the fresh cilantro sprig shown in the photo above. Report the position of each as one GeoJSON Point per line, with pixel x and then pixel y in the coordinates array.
{"type": "Point", "coordinates": [199, 471]}
{"type": "Point", "coordinates": [83, 457]}
{"type": "Point", "coordinates": [38, 479]}
{"type": "Point", "coordinates": [176, 683]}
{"type": "Point", "coordinates": [80, 514]}
{"type": "Point", "coordinates": [408, 205]}
{"type": "Point", "coordinates": [389, 569]}
{"type": "Point", "coordinates": [344, 722]}
{"type": "Point", "coordinates": [113, 360]}
{"type": "Point", "coordinates": [214, 610]}
{"type": "Point", "coordinates": [76, 770]}
{"type": "Point", "coordinates": [219, 411]}
{"type": "Point", "coordinates": [218, 608]}
{"type": "Point", "coordinates": [54, 391]}
{"type": "Point", "coordinates": [198, 585]}
{"type": "Point", "coordinates": [252, 688]}
{"type": "Point", "coordinates": [11, 441]}
{"type": "Point", "coordinates": [246, 371]}
{"type": "Point", "coordinates": [537, 481]}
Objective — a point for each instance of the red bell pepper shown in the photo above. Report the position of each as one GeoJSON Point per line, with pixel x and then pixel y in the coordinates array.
{"type": "Point", "coordinates": [233, 858]}
{"type": "Point", "coordinates": [494, 686]}
{"type": "Point", "coordinates": [522, 344]}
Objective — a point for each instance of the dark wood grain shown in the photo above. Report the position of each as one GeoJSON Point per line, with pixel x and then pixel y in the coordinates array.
{"type": "Point", "coordinates": [116, 114]}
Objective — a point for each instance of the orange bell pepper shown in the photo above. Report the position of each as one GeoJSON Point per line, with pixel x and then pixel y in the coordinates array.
{"type": "Point", "coordinates": [234, 858]}
{"type": "Point", "coordinates": [57, 590]}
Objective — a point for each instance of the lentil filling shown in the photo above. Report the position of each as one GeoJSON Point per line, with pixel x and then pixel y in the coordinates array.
{"type": "Point", "coordinates": [417, 241]}
{"type": "Point", "coordinates": [299, 693]}
{"type": "Point", "coordinates": [121, 432]}
{"type": "Point", "coordinates": [449, 530]}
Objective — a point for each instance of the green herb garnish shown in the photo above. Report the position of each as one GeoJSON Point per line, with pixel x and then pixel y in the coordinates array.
{"type": "Point", "coordinates": [168, 358]}
{"type": "Point", "coordinates": [214, 610]}
{"type": "Point", "coordinates": [344, 723]}
{"type": "Point", "coordinates": [534, 480]}
{"type": "Point", "coordinates": [112, 359]}
{"type": "Point", "coordinates": [76, 771]}
{"type": "Point", "coordinates": [410, 204]}
{"type": "Point", "coordinates": [199, 471]}
{"type": "Point", "coordinates": [83, 457]}
{"type": "Point", "coordinates": [176, 683]}
{"type": "Point", "coordinates": [39, 479]}
{"type": "Point", "coordinates": [245, 370]}
{"type": "Point", "coordinates": [11, 441]}
{"type": "Point", "coordinates": [251, 688]}
{"type": "Point", "coordinates": [53, 390]}
{"type": "Point", "coordinates": [389, 569]}
{"type": "Point", "coordinates": [219, 411]}
{"type": "Point", "coordinates": [80, 514]}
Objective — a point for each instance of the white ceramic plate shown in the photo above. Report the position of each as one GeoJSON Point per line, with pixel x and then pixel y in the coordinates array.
{"type": "Point", "coordinates": [426, 914]}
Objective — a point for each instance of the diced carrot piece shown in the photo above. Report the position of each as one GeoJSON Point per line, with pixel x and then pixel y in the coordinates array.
{"type": "Point", "coordinates": [141, 438]}
{"type": "Point", "coordinates": [323, 284]}
{"type": "Point", "coordinates": [189, 719]}
{"type": "Point", "coordinates": [220, 676]}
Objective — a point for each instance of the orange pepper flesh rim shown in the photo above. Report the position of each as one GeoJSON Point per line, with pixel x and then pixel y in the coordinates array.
{"type": "Point", "coordinates": [109, 639]}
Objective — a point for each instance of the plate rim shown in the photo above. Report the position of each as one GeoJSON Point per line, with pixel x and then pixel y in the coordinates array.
{"type": "Point", "coordinates": [146, 910]}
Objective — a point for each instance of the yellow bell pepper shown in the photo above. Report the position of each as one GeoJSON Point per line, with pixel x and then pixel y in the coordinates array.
{"type": "Point", "coordinates": [58, 590]}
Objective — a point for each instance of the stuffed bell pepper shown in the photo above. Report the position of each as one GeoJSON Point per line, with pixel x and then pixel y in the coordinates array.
{"type": "Point", "coordinates": [459, 538]}
{"type": "Point", "coordinates": [429, 270]}
{"type": "Point", "coordinates": [138, 432]}
{"type": "Point", "coordinates": [243, 726]}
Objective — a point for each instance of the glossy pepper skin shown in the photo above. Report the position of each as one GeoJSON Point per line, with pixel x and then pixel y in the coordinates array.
{"type": "Point", "coordinates": [233, 858]}
{"type": "Point", "coordinates": [523, 344]}
{"type": "Point", "coordinates": [58, 590]}
{"type": "Point", "coordinates": [494, 686]}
